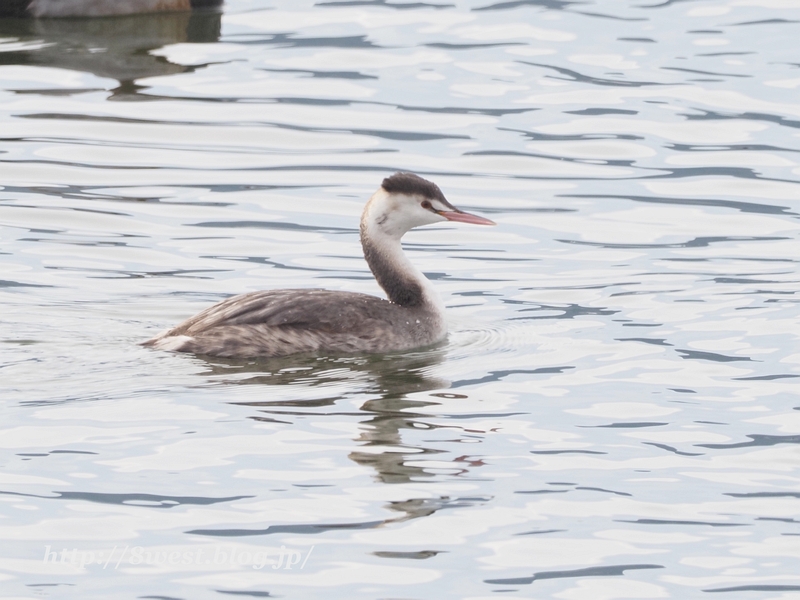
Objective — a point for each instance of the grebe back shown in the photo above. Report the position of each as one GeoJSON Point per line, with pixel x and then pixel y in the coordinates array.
{"type": "Point", "coordinates": [283, 322]}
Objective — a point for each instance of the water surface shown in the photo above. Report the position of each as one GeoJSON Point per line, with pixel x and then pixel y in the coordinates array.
{"type": "Point", "coordinates": [615, 413]}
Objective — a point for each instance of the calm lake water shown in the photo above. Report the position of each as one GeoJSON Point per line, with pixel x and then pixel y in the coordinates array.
{"type": "Point", "coordinates": [615, 413]}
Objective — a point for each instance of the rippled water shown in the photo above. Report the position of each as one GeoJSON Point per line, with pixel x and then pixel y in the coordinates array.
{"type": "Point", "coordinates": [615, 413]}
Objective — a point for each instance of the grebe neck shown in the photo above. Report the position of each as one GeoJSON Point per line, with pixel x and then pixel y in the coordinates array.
{"type": "Point", "coordinates": [403, 283]}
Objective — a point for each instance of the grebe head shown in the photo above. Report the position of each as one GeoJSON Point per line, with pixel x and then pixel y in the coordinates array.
{"type": "Point", "coordinates": [405, 201]}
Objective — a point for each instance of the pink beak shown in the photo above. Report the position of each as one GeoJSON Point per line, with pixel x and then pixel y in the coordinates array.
{"type": "Point", "coordinates": [465, 217]}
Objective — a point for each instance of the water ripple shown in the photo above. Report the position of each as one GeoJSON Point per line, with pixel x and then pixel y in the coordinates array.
{"type": "Point", "coordinates": [619, 378]}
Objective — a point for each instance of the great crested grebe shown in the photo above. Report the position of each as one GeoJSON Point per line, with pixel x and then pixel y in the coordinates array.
{"type": "Point", "coordinates": [282, 322]}
{"type": "Point", "coordinates": [96, 8]}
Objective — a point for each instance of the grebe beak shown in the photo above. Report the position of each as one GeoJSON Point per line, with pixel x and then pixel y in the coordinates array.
{"type": "Point", "coordinates": [465, 217]}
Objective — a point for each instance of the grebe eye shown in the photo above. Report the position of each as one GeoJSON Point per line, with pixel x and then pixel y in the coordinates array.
{"type": "Point", "coordinates": [426, 205]}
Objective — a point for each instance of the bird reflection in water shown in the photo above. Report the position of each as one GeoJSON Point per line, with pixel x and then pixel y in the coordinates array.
{"type": "Point", "coordinates": [113, 47]}
{"type": "Point", "coordinates": [387, 380]}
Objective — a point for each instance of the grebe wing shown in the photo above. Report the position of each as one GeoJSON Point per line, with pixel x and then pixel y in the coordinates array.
{"type": "Point", "coordinates": [311, 309]}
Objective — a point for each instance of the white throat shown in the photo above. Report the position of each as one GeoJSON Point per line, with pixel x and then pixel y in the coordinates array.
{"type": "Point", "coordinates": [403, 283]}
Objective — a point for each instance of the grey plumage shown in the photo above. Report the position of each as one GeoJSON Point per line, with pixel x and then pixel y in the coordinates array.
{"type": "Point", "coordinates": [96, 8]}
{"type": "Point", "coordinates": [271, 322]}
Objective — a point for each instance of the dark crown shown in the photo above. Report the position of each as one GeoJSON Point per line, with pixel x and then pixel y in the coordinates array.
{"type": "Point", "coordinates": [413, 185]}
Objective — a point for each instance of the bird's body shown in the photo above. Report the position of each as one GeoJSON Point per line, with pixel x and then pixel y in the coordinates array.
{"type": "Point", "coordinates": [282, 322]}
{"type": "Point", "coordinates": [97, 8]}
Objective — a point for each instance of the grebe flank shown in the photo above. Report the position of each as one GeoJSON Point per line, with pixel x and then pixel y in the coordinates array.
{"type": "Point", "coordinates": [97, 8]}
{"type": "Point", "coordinates": [282, 322]}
